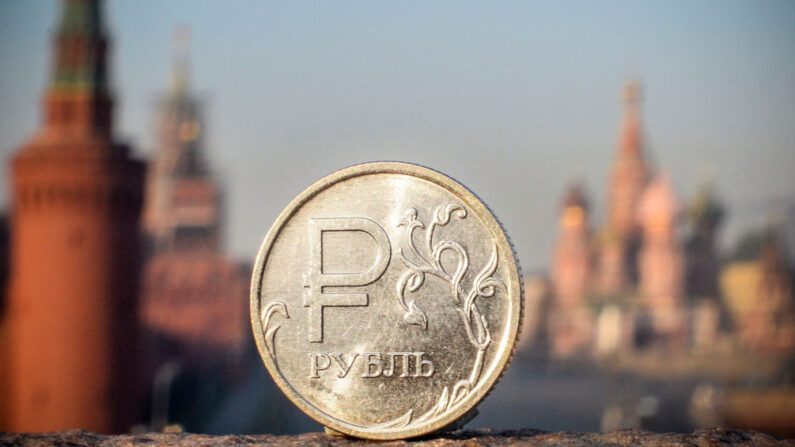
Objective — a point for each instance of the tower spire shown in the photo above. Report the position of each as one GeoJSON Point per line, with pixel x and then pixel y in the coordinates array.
{"type": "Point", "coordinates": [630, 172]}
{"type": "Point", "coordinates": [631, 142]}
{"type": "Point", "coordinates": [76, 201]}
{"type": "Point", "coordinates": [179, 169]}
{"type": "Point", "coordinates": [78, 100]}
{"type": "Point", "coordinates": [628, 178]}
{"type": "Point", "coordinates": [181, 73]}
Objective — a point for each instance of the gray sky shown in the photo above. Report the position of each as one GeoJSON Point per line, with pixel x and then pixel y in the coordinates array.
{"type": "Point", "coordinates": [513, 99]}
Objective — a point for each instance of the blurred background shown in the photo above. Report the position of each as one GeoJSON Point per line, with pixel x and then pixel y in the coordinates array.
{"type": "Point", "coordinates": [640, 155]}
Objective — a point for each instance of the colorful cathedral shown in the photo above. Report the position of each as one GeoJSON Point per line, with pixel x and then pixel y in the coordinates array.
{"type": "Point", "coordinates": [633, 283]}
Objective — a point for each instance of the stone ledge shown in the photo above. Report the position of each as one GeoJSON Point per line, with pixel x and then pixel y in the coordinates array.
{"type": "Point", "coordinates": [463, 438]}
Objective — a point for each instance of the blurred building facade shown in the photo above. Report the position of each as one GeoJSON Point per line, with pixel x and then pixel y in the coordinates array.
{"type": "Point", "coordinates": [194, 298]}
{"type": "Point", "coordinates": [634, 282]}
{"type": "Point", "coordinates": [759, 284]}
{"type": "Point", "coordinates": [76, 200]}
{"type": "Point", "coordinates": [88, 347]}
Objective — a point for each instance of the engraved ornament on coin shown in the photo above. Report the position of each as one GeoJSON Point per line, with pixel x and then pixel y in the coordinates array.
{"type": "Point", "coordinates": [386, 301]}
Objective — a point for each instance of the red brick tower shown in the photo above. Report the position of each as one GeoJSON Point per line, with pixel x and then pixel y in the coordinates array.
{"type": "Point", "coordinates": [628, 179]}
{"type": "Point", "coordinates": [4, 370]}
{"type": "Point", "coordinates": [571, 322]}
{"type": "Point", "coordinates": [194, 296]}
{"type": "Point", "coordinates": [661, 263]}
{"type": "Point", "coordinates": [74, 248]}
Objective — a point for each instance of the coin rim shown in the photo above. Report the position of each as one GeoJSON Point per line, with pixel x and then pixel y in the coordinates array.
{"type": "Point", "coordinates": [494, 227]}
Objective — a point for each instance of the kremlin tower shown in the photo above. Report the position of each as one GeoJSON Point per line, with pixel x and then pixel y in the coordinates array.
{"type": "Point", "coordinates": [74, 248]}
{"type": "Point", "coordinates": [194, 299]}
{"type": "Point", "coordinates": [181, 197]}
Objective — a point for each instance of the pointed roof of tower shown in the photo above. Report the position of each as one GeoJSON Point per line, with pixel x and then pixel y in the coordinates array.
{"type": "Point", "coordinates": [629, 172]}
{"type": "Point", "coordinates": [78, 105]}
{"type": "Point", "coordinates": [630, 139]}
{"type": "Point", "coordinates": [575, 197]}
{"type": "Point", "coordinates": [185, 121]}
{"type": "Point", "coordinates": [574, 208]}
{"type": "Point", "coordinates": [180, 82]}
{"type": "Point", "coordinates": [80, 48]}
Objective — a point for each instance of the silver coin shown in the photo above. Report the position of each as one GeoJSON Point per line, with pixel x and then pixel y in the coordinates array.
{"type": "Point", "coordinates": [386, 301]}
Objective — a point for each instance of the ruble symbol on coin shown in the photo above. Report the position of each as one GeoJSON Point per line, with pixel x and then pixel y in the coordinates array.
{"type": "Point", "coordinates": [386, 301]}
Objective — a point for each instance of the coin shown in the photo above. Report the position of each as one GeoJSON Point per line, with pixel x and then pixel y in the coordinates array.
{"type": "Point", "coordinates": [386, 301]}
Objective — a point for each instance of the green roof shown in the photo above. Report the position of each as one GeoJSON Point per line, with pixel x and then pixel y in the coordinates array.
{"type": "Point", "coordinates": [81, 20]}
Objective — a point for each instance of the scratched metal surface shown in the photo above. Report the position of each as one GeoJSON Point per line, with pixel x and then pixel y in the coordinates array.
{"type": "Point", "coordinates": [386, 301]}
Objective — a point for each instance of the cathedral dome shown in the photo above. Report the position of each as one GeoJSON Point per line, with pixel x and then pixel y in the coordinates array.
{"type": "Point", "coordinates": [658, 205]}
